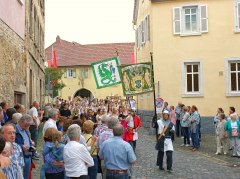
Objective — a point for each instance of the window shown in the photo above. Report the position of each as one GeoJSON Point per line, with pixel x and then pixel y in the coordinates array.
{"type": "Point", "coordinates": [190, 20]}
{"type": "Point", "coordinates": [192, 79]}
{"type": "Point", "coordinates": [70, 73]}
{"type": "Point", "coordinates": [233, 76]}
{"type": "Point", "coordinates": [237, 16]}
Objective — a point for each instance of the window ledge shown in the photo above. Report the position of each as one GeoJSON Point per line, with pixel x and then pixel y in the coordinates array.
{"type": "Point", "coordinates": [232, 94]}
{"type": "Point", "coordinates": [192, 95]}
{"type": "Point", "coordinates": [190, 34]}
{"type": "Point", "coordinates": [237, 31]}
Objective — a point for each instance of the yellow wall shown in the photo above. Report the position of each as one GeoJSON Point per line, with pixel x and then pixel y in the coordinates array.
{"type": "Point", "coordinates": [74, 84]}
{"type": "Point", "coordinates": [211, 48]}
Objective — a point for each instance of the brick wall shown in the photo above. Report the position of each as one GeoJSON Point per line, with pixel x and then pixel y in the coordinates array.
{"type": "Point", "coordinates": [12, 64]}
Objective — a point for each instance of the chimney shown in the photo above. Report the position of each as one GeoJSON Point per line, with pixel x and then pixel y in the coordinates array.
{"type": "Point", "coordinates": [58, 39]}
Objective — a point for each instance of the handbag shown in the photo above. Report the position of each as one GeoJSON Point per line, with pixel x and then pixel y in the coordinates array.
{"type": "Point", "coordinates": [234, 132]}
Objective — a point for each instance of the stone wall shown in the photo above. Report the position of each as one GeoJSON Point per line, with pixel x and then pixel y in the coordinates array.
{"type": "Point", "coordinates": [12, 64]}
{"type": "Point", "coordinates": [207, 126]}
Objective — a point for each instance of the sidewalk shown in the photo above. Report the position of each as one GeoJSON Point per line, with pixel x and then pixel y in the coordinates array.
{"type": "Point", "coordinates": [209, 148]}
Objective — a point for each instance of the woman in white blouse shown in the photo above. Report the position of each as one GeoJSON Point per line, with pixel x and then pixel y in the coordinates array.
{"type": "Point", "coordinates": [76, 157]}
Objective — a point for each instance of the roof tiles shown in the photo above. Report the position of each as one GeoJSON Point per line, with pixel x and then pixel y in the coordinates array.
{"type": "Point", "coordinates": [75, 54]}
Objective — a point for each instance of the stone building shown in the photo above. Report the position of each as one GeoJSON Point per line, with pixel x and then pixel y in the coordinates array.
{"type": "Point", "coordinates": [34, 46]}
{"type": "Point", "coordinates": [75, 61]}
{"type": "Point", "coordinates": [21, 52]}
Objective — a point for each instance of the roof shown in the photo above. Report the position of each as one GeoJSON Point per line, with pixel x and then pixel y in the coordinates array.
{"type": "Point", "coordinates": [75, 54]}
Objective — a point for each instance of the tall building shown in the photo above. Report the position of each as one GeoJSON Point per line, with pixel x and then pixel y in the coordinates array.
{"type": "Point", "coordinates": [13, 62]}
{"type": "Point", "coordinates": [34, 46]}
{"type": "Point", "coordinates": [21, 51]}
{"type": "Point", "coordinates": [75, 61]}
{"type": "Point", "coordinates": [195, 48]}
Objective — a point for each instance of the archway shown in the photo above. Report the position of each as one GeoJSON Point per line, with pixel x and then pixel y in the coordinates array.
{"type": "Point", "coordinates": [84, 93]}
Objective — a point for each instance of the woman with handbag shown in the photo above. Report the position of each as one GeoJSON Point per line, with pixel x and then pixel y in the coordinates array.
{"type": "Point", "coordinates": [91, 142]}
{"type": "Point", "coordinates": [233, 132]}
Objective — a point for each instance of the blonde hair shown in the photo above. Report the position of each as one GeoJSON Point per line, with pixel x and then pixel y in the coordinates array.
{"type": "Point", "coordinates": [88, 126]}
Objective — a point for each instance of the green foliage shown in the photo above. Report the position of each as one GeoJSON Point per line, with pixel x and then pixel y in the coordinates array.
{"type": "Point", "coordinates": [55, 76]}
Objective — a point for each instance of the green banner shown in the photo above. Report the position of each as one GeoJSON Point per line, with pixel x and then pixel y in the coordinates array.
{"type": "Point", "coordinates": [106, 72]}
{"type": "Point", "coordinates": [137, 79]}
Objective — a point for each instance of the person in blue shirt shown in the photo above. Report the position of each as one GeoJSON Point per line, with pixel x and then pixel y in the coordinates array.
{"type": "Point", "coordinates": [118, 155]}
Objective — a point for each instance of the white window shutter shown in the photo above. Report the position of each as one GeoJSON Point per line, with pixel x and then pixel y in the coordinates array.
{"type": "Point", "coordinates": [204, 18]}
{"type": "Point", "coordinates": [140, 35]}
{"type": "Point", "coordinates": [176, 20]}
{"type": "Point", "coordinates": [65, 73]}
{"type": "Point", "coordinates": [136, 36]}
{"type": "Point", "coordinates": [143, 34]}
{"type": "Point", "coordinates": [146, 29]}
{"type": "Point", "coordinates": [237, 16]}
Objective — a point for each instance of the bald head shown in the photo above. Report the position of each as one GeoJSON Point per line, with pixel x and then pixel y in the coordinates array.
{"type": "Point", "coordinates": [118, 130]}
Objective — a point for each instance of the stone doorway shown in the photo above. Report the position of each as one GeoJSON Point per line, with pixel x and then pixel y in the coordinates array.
{"type": "Point", "coordinates": [84, 93]}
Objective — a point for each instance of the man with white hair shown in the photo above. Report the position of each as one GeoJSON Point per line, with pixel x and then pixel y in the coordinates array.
{"type": "Point", "coordinates": [76, 157]}
{"type": "Point", "coordinates": [51, 122]}
{"type": "Point", "coordinates": [24, 141]}
{"type": "Point", "coordinates": [16, 117]}
{"type": "Point", "coordinates": [103, 127]}
{"type": "Point", "coordinates": [108, 133]}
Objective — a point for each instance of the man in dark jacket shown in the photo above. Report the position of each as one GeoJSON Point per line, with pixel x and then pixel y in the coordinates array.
{"type": "Point", "coordinates": [24, 141]}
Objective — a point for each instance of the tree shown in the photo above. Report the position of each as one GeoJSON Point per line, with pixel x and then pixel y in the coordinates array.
{"type": "Point", "coordinates": [54, 75]}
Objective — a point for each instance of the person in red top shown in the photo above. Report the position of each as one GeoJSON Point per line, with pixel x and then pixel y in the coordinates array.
{"type": "Point", "coordinates": [133, 125]}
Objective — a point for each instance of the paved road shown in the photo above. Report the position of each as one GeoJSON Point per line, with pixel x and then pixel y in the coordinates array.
{"type": "Point", "coordinates": [186, 163]}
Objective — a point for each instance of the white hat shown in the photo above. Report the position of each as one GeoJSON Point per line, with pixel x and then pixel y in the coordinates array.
{"type": "Point", "coordinates": [166, 112]}
{"type": "Point", "coordinates": [133, 109]}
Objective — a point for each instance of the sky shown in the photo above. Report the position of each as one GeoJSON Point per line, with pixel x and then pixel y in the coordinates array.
{"type": "Point", "coordinates": [89, 21]}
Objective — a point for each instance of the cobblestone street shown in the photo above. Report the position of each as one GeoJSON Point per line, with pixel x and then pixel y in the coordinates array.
{"type": "Point", "coordinates": [186, 164]}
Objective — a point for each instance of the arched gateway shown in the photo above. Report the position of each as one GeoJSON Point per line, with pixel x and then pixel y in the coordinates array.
{"type": "Point", "coordinates": [83, 93]}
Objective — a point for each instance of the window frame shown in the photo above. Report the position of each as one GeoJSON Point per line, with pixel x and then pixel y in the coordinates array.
{"type": "Point", "coordinates": [68, 72]}
{"type": "Point", "coordinates": [183, 20]}
{"type": "Point", "coordinates": [185, 93]}
{"type": "Point", "coordinates": [228, 62]}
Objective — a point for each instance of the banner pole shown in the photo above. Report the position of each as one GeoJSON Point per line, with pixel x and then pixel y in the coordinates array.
{"type": "Point", "coordinates": [154, 119]}
{"type": "Point", "coordinates": [154, 95]}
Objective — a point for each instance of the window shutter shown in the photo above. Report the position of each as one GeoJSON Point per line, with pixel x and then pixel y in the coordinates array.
{"type": "Point", "coordinates": [65, 73]}
{"type": "Point", "coordinates": [176, 20]}
{"type": "Point", "coordinates": [74, 73]}
{"type": "Point", "coordinates": [237, 16]}
{"type": "Point", "coordinates": [140, 35]}
{"type": "Point", "coordinates": [136, 36]}
{"type": "Point", "coordinates": [146, 29]}
{"type": "Point", "coordinates": [142, 32]}
{"type": "Point", "coordinates": [204, 18]}
{"type": "Point", "coordinates": [85, 72]}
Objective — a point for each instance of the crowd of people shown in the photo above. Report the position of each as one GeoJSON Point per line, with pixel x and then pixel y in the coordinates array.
{"type": "Point", "coordinates": [83, 138]}
{"type": "Point", "coordinates": [185, 121]}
